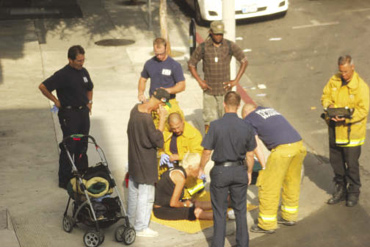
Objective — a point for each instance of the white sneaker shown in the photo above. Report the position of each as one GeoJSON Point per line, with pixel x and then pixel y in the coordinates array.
{"type": "Point", "coordinates": [231, 214]}
{"type": "Point", "coordinates": [147, 232]}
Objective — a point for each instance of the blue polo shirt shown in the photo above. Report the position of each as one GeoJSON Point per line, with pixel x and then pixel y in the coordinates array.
{"type": "Point", "coordinates": [162, 73]}
{"type": "Point", "coordinates": [271, 127]}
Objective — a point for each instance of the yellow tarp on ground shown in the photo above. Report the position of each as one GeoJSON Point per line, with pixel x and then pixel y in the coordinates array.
{"type": "Point", "coordinates": [192, 226]}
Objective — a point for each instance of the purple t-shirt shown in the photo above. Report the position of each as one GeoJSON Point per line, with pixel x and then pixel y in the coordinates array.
{"type": "Point", "coordinates": [162, 73]}
{"type": "Point", "coordinates": [272, 128]}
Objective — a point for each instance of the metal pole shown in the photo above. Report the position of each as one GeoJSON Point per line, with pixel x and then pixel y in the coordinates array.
{"type": "Point", "coordinates": [150, 14]}
{"type": "Point", "coordinates": [228, 17]}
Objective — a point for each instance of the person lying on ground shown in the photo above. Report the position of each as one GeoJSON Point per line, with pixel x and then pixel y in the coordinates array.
{"type": "Point", "coordinates": [169, 191]}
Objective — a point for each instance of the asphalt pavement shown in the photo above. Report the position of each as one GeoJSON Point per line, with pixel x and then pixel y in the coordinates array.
{"type": "Point", "coordinates": [32, 50]}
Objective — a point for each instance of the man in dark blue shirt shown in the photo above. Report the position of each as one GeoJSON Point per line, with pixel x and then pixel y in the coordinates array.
{"type": "Point", "coordinates": [163, 72]}
{"type": "Point", "coordinates": [74, 100]}
{"type": "Point", "coordinates": [233, 142]}
{"type": "Point", "coordinates": [283, 168]}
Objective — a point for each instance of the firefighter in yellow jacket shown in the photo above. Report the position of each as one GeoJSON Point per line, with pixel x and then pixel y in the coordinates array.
{"type": "Point", "coordinates": [180, 138]}
{"type": "Point", "coordinates": [346, 135]}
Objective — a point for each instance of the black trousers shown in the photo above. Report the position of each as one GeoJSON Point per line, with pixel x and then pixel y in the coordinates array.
{"type": "Point", "coordinates": [233, 179]}
{"type": "Point", "coordinates": [169, 213]}
{"type": "Point", "coordinates": [345, 164]}
{"type": "Point", "coordinates": [73, 121]}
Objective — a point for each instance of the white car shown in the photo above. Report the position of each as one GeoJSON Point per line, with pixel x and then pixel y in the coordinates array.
{"type": "Point", "coordinates": [211, 10]}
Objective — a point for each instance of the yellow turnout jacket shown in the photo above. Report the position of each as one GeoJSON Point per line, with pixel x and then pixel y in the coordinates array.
{"type": "Point", "coordinates": [189, 141]}
{"type": "Point", "coordinates": [354, 95]}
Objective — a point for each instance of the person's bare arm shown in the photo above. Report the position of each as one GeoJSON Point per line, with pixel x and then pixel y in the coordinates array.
{"type": "Point", "coordinates": [178, 179]}
{"type": "Point", "coordinates": [90, 97]}
{"type": "Point", "coordinates": [49, 95]}
{"type": "Point", "coordinates": [202, 83]}
{"type": "Point", "coordinates": [232, 83]}
{"type": "Point", "coordinates": [162, 112]}
{"type": "Point", "coordinates": [179, 87]}
{"type": "Point", "coordinates": [206, 155]}
{"type": "Point", "coordinates": [250, 163]}
{"type": "Point", "coordinates": [141, 89]}
{"type": "Point", "coordinates": [258, 151]}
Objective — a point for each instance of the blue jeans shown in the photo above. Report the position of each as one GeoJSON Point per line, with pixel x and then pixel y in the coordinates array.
{"type": "Point", "coordinates": [140, 204]}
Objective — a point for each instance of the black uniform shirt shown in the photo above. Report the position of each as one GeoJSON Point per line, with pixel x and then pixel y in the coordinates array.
{"type": "Point", "coordinates": [230, 138]}
{"type": "Point", "coordinates": [71, 85]}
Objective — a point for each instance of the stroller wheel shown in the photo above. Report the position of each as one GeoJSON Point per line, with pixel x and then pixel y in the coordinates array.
{"type": "Point", "coordinates": [68, 223]}
{"type": "Point", "coordinates": [129, 236]}
{"type": "Point", "coordinates": [93, 239]}
{"type": "Point", "coordinates": [119, 233]}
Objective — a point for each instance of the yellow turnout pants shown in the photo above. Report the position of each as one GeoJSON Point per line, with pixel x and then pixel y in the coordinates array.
{"type": "Point", "coordinates": [283, 171]}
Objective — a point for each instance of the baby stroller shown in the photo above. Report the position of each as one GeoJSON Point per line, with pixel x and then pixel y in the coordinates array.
{"type": "Point", "coordinates": [92, 202]}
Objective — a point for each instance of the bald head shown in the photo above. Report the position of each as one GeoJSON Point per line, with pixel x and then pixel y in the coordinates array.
{"type": "Point", "coordinates": [247, 109]}
{"type": "Point", "coordinates": [176, 123]}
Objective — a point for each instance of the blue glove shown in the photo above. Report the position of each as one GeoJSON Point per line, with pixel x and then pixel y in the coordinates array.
{"type": "Point", "coordinates": [170, 164]}
{"type": "Point", "coordinates": [203, 177]}
{"type": "Point", "coordinates": [54, 109]}
{"type": "Point", "coordinates": [165, 159]}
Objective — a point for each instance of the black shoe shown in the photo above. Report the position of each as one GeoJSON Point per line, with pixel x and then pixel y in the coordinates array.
{"type": "Point", "coordinates": [257, 229]}
{"type": "Point", "coordinates": [335, 200]}
{"type": "Point", "coordinates": [339, 195]}
{"type": "Point", "coordinates": [352, 200]}
{"type": "Point", "coordinates": [351, 203]}
{"type": "Point", "coordinates": [286, 222]}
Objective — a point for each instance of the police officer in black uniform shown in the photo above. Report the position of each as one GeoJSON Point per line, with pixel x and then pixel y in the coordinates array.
{"type": "Point", "coordinates": [233, 142]}
{"type": "Point", "coordinates": [75, 91]}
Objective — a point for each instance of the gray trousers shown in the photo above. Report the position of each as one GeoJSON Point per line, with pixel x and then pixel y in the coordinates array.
{"type": "Point", "coordinates": [232, 179]}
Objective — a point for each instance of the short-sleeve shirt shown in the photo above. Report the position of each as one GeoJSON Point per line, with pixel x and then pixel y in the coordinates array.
{"type": "Point", "coordinates": [71, 85]}
{"type": "Point", "coordinates": [230, 137]}
{"type": "Point", "coordinates": [272, 128]}
{"type": "Point", "coordinates": [143, 141]}
{"type": "Point", "coordinates": [216, 63]}
{"type": "Point", "coordinates": [162, 73]}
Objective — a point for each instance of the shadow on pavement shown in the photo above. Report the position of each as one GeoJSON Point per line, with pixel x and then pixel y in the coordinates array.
{"type": "Point", "coordinates": [335, 225]}
{"type": "Point", "coordinates": [318, 170]}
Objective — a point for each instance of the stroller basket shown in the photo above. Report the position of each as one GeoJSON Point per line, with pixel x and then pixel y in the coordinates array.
{"type": "Point", "coordinates": [96, 180]}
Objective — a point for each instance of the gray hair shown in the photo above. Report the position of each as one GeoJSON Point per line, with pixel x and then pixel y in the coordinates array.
{"type": "Point", "coordinates": [347, 59]}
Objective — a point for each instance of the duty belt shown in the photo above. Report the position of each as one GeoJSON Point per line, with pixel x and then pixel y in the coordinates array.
{"type": "Point", "coordinates": [230, 163]}
{"type": "Point", "coordinates": [69, 107]}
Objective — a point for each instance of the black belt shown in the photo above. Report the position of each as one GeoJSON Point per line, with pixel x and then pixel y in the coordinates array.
{"type": "Point", "coordinates": [69, 107]}
{"type": "Point", "coordinates": [230, 163]}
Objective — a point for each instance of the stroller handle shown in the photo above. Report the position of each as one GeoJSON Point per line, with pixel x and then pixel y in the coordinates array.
{"type": "Point", "coordinates": [77, 137]}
